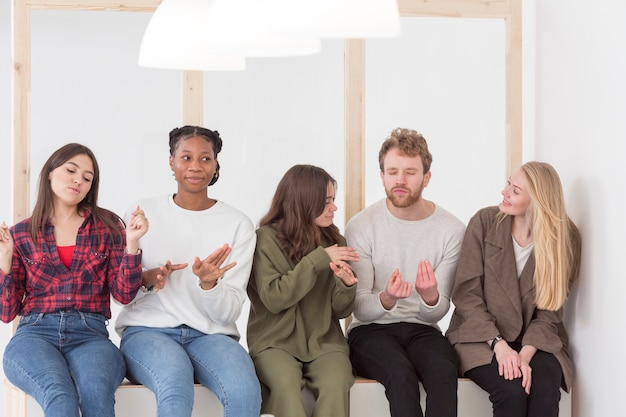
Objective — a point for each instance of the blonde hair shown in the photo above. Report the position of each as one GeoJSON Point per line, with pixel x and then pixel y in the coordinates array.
{"type": "Point", "coordinates": [556, 237]}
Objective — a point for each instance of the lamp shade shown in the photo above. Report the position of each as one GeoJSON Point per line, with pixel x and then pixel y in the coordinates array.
{"type": "Point", "coordinates": [337, 18]}
{"type": "Point", "coordinates": [244, 27]}
{"type": "Point", "coordinates": [174, 39]}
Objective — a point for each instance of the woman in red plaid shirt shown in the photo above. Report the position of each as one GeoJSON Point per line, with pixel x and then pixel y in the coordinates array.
{"type": "Point", "coordinates": [58, 270]}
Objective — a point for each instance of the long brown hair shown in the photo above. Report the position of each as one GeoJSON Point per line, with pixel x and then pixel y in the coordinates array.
{"type": "Point", "coordinates": [44, 208]}
{"type": "Point", "coordinates": [300, 197]}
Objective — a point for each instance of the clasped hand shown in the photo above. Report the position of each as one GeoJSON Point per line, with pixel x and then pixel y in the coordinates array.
{"type": "Point", "coordinates": [512, 364]}
{"type": "Point", "coordinates": [339, 258]}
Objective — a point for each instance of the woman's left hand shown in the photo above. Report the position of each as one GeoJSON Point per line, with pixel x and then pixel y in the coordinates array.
{"type": "Point", "coordinates": [525, 355]}
{"type": "Point", "coordinates": [210, 269]}
{"type": "Point", "coordinates": [344, 273]}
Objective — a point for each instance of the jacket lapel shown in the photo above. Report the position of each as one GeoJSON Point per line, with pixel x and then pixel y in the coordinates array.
{"type": "Point", "coordinates": [501, 262]}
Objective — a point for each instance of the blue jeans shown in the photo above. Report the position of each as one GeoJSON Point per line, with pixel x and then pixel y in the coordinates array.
{"type": "Point", "coordinates": [66, 361]}
{"type": "Point", "coordinates": [169, 360]}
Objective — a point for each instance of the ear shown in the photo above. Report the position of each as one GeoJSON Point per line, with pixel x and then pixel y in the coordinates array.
{"type": "Point", "coordinates": [382, 177]}
{"type": "Point", "coordinates": [216, 175]}
{"type": "Point", "coordinates": [426, 179]}
{"type": "Point", "coordinates": [171, 159]}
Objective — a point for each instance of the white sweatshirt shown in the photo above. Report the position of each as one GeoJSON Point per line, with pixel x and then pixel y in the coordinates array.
{"type": "Point", "coordinates": [178, 235]}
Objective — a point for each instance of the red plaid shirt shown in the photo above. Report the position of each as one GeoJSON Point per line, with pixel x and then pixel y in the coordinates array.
{"type": "Point", "coordinates": [40, 283]}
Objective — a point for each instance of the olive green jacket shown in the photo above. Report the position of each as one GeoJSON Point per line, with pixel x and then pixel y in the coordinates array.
{"type": "Point", "coordinates": [295, 307]}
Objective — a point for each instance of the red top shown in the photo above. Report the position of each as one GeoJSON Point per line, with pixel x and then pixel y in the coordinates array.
{"type": "Point", "coordinates": [65, 255]}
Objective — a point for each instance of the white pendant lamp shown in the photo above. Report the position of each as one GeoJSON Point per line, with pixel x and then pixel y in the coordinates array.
{"type": "Point", "coordinates": [174, 39]}
{"type": "Point", "coordinates": [337, 18]}
{"type": "Point", "coordinates": [243, 27]}
{"type": "Point", "coordinates": [218, 34]}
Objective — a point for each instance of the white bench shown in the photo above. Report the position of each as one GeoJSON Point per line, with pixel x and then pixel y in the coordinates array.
{"type": "Point", "coordinates": [367, 399]}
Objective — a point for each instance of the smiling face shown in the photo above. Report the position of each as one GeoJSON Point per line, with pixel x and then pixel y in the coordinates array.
{"type": "Point", "coordinates": [326, 218]}
{"type": "Point", "coordinates": [516, 198]}
{"type": "Point", "coordinates": [403, 178]}
{"type": "Point", "coordinates": [193, 164]}
{"type": "Point", "coordinates": [71, 181]}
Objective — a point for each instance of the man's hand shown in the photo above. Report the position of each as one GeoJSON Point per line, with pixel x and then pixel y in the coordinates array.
{"type": "Point", "coordinates": [426, 283]}
{"type": "Point", "coordinates": [396, 289]}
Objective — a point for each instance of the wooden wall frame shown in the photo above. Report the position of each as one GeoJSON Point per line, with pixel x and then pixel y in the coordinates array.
{"type": "Point", "coordinates": [192, 97]}
{"type": "Point", "coordinates": [354, 111]}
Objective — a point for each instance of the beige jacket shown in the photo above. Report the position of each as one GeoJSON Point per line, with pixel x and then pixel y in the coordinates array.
{"type": "Point", "coordinates": [491, 300]}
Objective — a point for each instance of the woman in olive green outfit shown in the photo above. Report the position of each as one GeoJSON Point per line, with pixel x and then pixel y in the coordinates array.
{"type": "Point", "coordinates": [301, 286]}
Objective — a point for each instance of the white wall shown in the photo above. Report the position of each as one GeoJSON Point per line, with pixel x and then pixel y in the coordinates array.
{"type": "Point", "coordinates": [283, 111]}
{"type": "Point", "coordinates": [581, 104]}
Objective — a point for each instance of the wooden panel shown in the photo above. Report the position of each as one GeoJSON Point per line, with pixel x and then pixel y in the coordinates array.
{"type": "Point", "coordinates": [102, 5]}
{"type": "Point", "coordinates": [14, 401]}
{"type": "Point", "coordinates": [513, 64]}
{"type": "Point", "coordinates": [20, 111]}
{"type": "Point", "coordinates": [354, 126]}
{"type": "Point", "coordinates": [454, 8]}
{"type": "Point", "coordinates": [192, 98]}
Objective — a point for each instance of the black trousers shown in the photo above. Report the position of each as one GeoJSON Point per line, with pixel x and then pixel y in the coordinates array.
{"type": "Point", "coordinates": [508, 396]}
{"type": "Point", "coordinates": [400, 355]}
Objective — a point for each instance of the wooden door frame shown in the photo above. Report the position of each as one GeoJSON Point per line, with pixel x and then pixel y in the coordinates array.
{"type": "Point", "coordinates": [192, 85]}
{"type": "Point", "coordinates": [354, 88]}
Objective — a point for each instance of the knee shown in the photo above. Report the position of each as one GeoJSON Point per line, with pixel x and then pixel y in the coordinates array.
{"type": "Point", "coordinates": [251, 391]}
{"type": "Point", "coordinates": [546, 391]}
{"type": "Point", "coordinates": [510, 396]}
{"type": "Point", "coordinates": [403, 379]}
{"type": "Point", "coordinates": [102, 377]}
{"type": "Point", "coordinates": [101, 392]}
{"type": "Point", "coordinates": [447, 371]}
{"type": "Point", "coordinates": [443, 368]}
{"type": "Point", "coordinates": [172, 392]}
{"type": "Point", "coordinates": [335, 383]}
{"type": "Point", "coordinates": [282, 383]}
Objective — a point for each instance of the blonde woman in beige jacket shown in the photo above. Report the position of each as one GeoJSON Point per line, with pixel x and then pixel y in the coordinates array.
{"type": "Point", "coordinates": [517, 265]}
